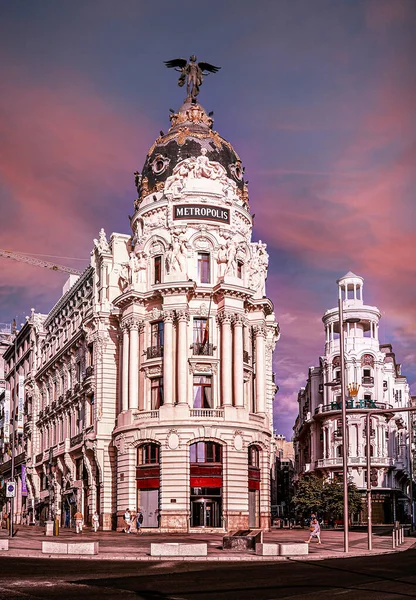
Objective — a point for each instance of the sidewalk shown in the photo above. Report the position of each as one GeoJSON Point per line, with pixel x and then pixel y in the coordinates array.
{"type": "Point", "coordinates": [120, 546]}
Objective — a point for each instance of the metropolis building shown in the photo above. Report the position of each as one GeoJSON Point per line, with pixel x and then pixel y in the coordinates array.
{"type": "Point", "coordinates": [149, 384]}
{"type": "Point", "coordinates": [374, 381]}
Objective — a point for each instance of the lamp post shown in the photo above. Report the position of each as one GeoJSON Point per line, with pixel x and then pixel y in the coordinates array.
{"type": "Point", "coordinates": [12, 446]}
{"type": "Point", "coordinates": [370, 413]}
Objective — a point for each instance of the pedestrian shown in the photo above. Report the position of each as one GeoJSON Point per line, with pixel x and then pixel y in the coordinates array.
{"type": "Point", "coordinates": [79, 521]}
{"type": "Point", "coordinates": [96, 521]}
{"type": "Point", "coordinates": [139, 520]}
{"type": "Point", "coordinates": [128, 521]}
{"type": "Point", "coordinates": [315, 531]}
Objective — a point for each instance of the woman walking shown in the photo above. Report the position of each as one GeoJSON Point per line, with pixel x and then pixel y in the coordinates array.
{"type": "Point", "coordinates": [315, 531]}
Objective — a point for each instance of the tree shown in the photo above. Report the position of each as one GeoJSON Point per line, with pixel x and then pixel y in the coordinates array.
{"type": "Point", "coordinates": [309, 494]}
{"type": "Point", "coordinates": [314, 494]}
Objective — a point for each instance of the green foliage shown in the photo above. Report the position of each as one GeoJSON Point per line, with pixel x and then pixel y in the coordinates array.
{"type": "Point", "coordinates": [326, 498]}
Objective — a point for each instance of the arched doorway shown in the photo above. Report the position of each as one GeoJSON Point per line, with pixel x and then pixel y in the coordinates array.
{"type": "Point", "coordinates": [206, 484]}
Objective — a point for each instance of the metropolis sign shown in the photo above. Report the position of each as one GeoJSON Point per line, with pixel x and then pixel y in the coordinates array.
{"type": "Point", "coordinates": [207, 213]}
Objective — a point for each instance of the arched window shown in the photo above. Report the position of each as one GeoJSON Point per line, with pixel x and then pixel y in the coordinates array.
{"type": "Point", "coordinates": [205, 452]}
{"type": "Point", "coordinates": [253, 457]}
{"type": "Point", "coordinates": [148, 454]}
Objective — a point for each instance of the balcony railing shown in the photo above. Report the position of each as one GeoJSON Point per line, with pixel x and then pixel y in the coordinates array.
{"type": "Point", "coordinates": [201, 349]}
{"type": "Point", "coordinates": [207, 413]}
{"type": "Point", "coordinates": [154, 352]}
{"type": "Point", "coordinates": [77, 439]}
{"type": "Point", "coordinates": [353, 404]}
{"type": "Point", "coordinates": [367, 380]}
{"type": "Point", "coordinates": [384, 461]}
{"type": "Point", "coordinates": [147, 414]}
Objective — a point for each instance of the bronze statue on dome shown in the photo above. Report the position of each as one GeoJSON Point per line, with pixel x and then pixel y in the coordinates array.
{"type": "Point", "coordinates": [191, 73]}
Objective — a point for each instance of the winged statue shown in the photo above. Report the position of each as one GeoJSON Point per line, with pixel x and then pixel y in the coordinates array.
{"type": "Point", "coordinates": [191, 73]}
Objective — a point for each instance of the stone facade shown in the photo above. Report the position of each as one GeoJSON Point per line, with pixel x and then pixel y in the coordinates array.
{"type": "Point", "coordinates": [373, 380]}
{"type": "Point", "coordinates": [151, 383]}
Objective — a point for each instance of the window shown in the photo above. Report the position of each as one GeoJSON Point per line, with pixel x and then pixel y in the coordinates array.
{"type": "Point", "coordinates": [148, 454]}
{"type": "Point", "coordinates": [78, 371]}
{"type": "Point", "coordinates": [200, 330]}
{"type": "Point", "coordinates": [204, 275]}
{"type": "Point", "coordinates": [205, 452]}
{"type": "Point", "coordinates": [202, 392]}
{"type": "Point", "coordinates": [367, 372]}
{"type": "Point", "coordinates": [239, 269]}
{"type": "Point", "coordinates": [157, 269]}
{"type": "Point", "coordinates": [156, 334]}
{"type": "Point", "coordinates": [253, 457]}
{"type": "Point", "coordinates": [156, 392]}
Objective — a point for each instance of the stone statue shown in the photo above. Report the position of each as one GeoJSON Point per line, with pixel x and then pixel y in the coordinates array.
{"type": "Point", "coordinates": [123, 280]}
{"type": "Point", "coordinates": [177, 254]}
{"type": "Point", "coordinates": [102, 244]}
{"type": "Point", "coordinates": [258, 268]}
{"type": "Point", "coordinates": [191, 73]}
{"type": "Point", "coordinates": [222, 261]}
{"type": "Point", "coordinates": [141, 267]}
{"type": "Point", "coordinates": [231, 268]}
{"type": "Point", "coordinates": [133, 268]}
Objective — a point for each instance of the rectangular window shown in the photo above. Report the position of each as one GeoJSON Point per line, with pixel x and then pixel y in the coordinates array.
{"type": "Point", "coordinates": [239, 269]}
{"type": "Point", "coordinates": [204, 275]}
{"type": "Point", "coordinates": [156, 334]}
{"type": "Point", "coordinates": [156, 392]}
{"type": "Point", "coordinates": [202, 392]}
{"type": "Point", "coordinates": [157, 269]}
{"type": "Point", "coordinates": [200, 330]}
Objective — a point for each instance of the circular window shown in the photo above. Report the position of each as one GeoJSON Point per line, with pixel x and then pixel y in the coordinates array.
{"type": "Point", "coordinates": [237, 170]}
{"type": "Point", "coordinates": [159, 164]}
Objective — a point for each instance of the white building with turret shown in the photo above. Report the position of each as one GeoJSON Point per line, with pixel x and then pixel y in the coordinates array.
{"type": "Point", "coordinates": [373, 379]}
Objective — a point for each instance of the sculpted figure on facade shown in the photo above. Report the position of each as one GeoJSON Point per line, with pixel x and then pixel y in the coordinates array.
{"type": "Point", "coordinates": [102, 244]}
{"type": "Point", "coordinates": [176, 258]}
{"type": "Point", "coordinates": [258, 269]}
{"type": "Point", "coordinates": [124, 277]}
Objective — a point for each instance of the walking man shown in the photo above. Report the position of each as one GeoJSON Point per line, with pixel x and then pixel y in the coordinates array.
{"type": "Point", "coordinates": [96, 521]}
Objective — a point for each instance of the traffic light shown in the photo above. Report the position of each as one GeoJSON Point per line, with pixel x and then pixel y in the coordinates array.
{"type": "Point", "coordinates": [374, 477]}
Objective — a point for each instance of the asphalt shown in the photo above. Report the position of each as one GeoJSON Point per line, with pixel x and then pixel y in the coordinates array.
{"type": "Point", "coordinates": [131, 547]}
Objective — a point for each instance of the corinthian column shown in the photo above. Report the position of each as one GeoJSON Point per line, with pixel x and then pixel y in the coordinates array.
{"type": "Point", "coordinates": [260, 334]}
{"type": "Point", "coordinates": [168, 357]}
{"type": "Point", "coordinates": [134, 324]}
{"type": "Point", "coordinates": [238, 362]}
{"type": "Point", "coordinates": [125, 369]}
{"type": "Point", "coordinates": [226, 359]}
{"type": "Point", "coordinates": [183, 318]}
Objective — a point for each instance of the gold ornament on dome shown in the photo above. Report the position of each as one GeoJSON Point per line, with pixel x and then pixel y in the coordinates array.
{"type": "Point", "coordinates": [183, 135]}
{"type": "Point", "coordinates": [353, 389]}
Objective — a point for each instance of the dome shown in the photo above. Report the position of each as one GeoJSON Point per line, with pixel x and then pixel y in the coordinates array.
{"type": "Point", "coordinates": [190, 132]}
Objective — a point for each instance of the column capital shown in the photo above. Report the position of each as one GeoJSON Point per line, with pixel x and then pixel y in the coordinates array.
{"type": "Point", "coordinates": [259, 330]}
{"type": "Point", "coordinates": [133, 323]}
{"type": "Point", "coordinates": [238, 320]}
{"type": "Point", "coordinates": [168, 316]}
{"type": "Point", "coordinates": [225, 318]}
{"type": "Point", "coordinates": [182, 315]}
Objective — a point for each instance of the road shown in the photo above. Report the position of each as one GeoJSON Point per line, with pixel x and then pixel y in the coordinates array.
{"type": "Point", "coordinates": [384, 577]}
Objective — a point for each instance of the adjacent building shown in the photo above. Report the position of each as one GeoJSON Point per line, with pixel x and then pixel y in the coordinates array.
{"type": "Point", "coordinates": [374, 380]}
{"type": "Point", "coordinates": [149, 384]}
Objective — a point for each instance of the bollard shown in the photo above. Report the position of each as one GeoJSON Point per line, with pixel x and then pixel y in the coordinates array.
{"type": "Point", "coordinates": [393, 538]}
{"type": "Point", "coordinates": [397, 537]}
{"type": "Point", "coordinates": [401, 535]}
{"type": "Point", "coordinates": [56, 527]}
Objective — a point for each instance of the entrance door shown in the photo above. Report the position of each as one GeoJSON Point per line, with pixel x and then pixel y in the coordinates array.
{"type": "Point", "coordinates": [253, 508]}
{"type": "Point", "coordinates": [205, 513]}
{"type": "Point", "coordinates": [148, 501]}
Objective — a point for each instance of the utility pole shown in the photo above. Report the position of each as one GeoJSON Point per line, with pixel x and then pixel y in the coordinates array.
{"type": "Point", "coordinates": [13, 413]}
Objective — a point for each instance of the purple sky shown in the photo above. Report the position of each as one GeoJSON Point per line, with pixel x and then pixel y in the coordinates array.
{"type": "Point", "coordinates": [317, 96]}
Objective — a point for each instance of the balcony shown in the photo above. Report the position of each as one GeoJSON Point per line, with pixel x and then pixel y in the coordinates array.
{"type": "Point", "coordinates": [200, 349]}
{"type": "Point", "coordinates": [361, 404]}
{"type": "Point", "coordinates": [367, 380]}
{"type": "Point", "coordinates": [207, 413]}
{"type": "Point", "coordinates": [382, 461]}
{"type": "Point", "coordinates": [77, 439]}
{"type": "Point", "coordinates": [154, 352]}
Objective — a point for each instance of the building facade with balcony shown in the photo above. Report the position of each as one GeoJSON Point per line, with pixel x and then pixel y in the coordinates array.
{"type": "Point", "coordinates": [374, 381]}
{"type": "Point", "coordinates": [153, 383]}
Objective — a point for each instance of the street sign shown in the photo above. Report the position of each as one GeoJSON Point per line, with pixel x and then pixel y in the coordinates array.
{"type": "Point", "coordinates": [10, 489]}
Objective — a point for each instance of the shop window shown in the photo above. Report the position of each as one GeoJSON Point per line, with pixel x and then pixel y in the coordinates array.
{"type": "Point", "coordinates": [157, 269]}
{"type": "Point", "coordinates": [205, 452]}
{"type": "Point", "coordinates": [156, 392]}
{"type": "Point", "coordinates": [148, 454]}
{"type": "Point", "coordinates": [204, 274]}
{"type": "Point", "coordinates": [202, 392]}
